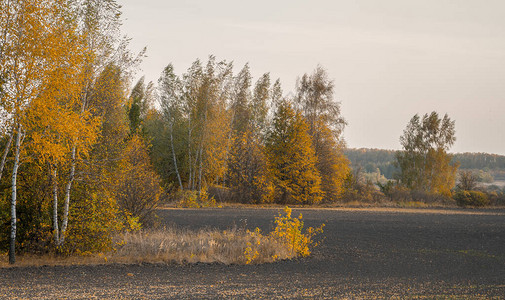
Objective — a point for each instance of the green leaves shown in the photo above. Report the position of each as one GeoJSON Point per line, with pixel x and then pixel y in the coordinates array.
{"type": "Point", "coordinates": [424, 163]}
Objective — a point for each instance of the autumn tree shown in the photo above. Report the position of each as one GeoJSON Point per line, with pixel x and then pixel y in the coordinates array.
{"type": "Point", "coordinates": [241, 101]}
{"type": "Point", "coordinates": [314, 98]}
{"type": "Point", "coordinates": [332, 164]}
{"type": "Point", "coordinates": [106, 73]}
{"type": "Point", "coordinates": [467, 180]}
{"type": "Point", "coordinates": [64, 124]}
{"type": "Point", "coordinates": [94, 212]}
{"type": "Point", "coordinates": [292, 159]}
{"type": "Point", "coordinates": [137, 187]}
{"type": "Point", "coordinates": [424, 163]}
{"type": "Point", "coordinates": [249, 177]}
{"type": "Point", "coordinates": [172, 114]}
{"type": "Point", "coordinates": [261, 101]}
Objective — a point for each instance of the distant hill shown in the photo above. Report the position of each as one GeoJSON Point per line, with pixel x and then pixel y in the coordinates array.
{"type": "Point", "coordinates": [369, 160]}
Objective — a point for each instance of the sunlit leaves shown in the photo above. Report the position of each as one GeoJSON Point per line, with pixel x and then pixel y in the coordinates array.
{"type": "Point", "coordinates": [291, 158]}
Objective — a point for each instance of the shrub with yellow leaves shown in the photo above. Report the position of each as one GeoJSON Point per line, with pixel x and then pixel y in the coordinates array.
{"type": "Point", "coordinates": [289, 231]}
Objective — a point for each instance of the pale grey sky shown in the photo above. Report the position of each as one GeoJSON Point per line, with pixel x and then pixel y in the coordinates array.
{"type": "Point", "coordinates": [390, 59]}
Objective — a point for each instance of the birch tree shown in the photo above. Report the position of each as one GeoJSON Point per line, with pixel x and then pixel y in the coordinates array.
{"type": "Point", "coordinates": [424, 163]}
{"type": "Point", "coordinates": [170, 102]}
{"type": "Point", "coordinates": [107, 56]}
{"type": "Point", "coordinates": [39, 47]}
{"type": "Point", "coordinates": [314, 98]}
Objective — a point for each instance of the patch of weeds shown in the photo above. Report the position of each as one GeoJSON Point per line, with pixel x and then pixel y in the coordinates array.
{"type": "Point", "coordinates": [194, 199]}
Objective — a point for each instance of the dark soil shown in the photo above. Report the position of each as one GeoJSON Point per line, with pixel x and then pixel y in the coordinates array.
{"type": "Point", "coordinates": [365, 254]}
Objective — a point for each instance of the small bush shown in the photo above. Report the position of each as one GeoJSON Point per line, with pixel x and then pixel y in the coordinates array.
{"type": "Point", "coordinates": [193, 199]}
{"type": "Point", "coordinates": [496, 198]}
{"type": "Point", "coordinates": [471, 198]}
{"type": "Point", "coordinates": [289, 231]}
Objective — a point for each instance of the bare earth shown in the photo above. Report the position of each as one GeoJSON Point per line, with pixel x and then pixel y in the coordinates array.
{"type": "Point", "coordinates": [367, 253]}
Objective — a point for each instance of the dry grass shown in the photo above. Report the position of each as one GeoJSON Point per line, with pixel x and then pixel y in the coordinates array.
{"type": "Point", "coordinates": [235, 246]}
{"type": "Point", "coordinates": [182, 246]}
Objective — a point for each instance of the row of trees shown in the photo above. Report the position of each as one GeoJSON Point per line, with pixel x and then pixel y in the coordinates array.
{"type": "Point", "coordinates": [215, 128]}
{"type": "Point", "coordinates": [76, 165]}
{"type": "Point", "coordinates": [70, 163]}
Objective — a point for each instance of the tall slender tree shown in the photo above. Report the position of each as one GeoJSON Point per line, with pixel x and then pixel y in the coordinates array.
{"type": "Point", "coordinates": [170, 102]}
{"type": "Point", "coordinates": [260, 104]}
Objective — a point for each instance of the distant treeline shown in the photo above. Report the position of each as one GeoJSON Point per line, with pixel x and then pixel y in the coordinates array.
{"type": "Point", "coordinates": [480, 161]}
{"type": "Point", "coordinates": [369, 160]}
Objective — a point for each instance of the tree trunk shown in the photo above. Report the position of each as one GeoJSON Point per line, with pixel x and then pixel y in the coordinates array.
{"type": "Point", "coordinates": [12, 240]}
{"type": "Point", "coordinates": [190, 186]}
{"type": "Point", "coordinates": [67, 198]}
{"type": "Point", "coordinates": [200, 174]}
{"type": "Point", "coordinates": [228, 145]}
{"type": "Point", "coordinates": [201, 154]}
{"type": "Point", "coordinates": [68, 187]}
{"type": "Point", "coordinates": [6, 152]}
{"type": "Point", "coordinates": [55, 208]}
{"type": "Point", "coordinates": [173, 153]}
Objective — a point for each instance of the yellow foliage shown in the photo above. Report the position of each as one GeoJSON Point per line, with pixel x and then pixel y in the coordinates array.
{"type": "Point", "coordinates": [289, 231]}
{"type": "Point", "coordinates": [137, 187]}
{"type": "Point", "coordinates": [292, 160]}
{"type": "Point", "coordinates": [92, 223]}
{"type": "Point", "coordinates": [191, 199]}
{"type": "Point", "coordinates": [249, 254]}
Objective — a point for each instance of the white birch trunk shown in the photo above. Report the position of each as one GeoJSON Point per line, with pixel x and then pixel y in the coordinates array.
{"type": "Point", "coordinates": [12, 239]}
{"type": "Point", "coordinates": [68, 188]}
{"type": "Point", "coordinates": [55, 208]}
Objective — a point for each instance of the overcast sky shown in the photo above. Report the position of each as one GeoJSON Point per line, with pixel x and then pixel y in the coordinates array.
{"type": "Point", "coordinates": [389, 59]}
